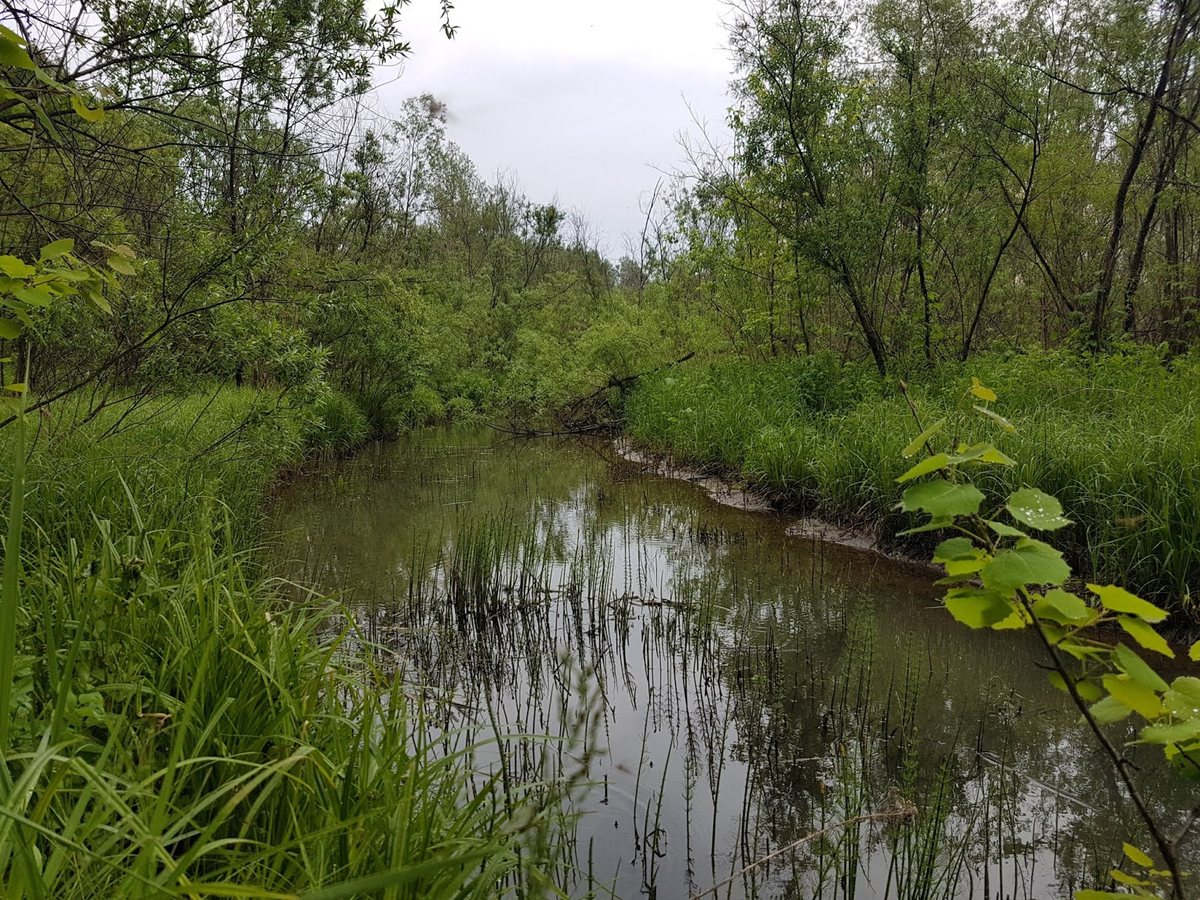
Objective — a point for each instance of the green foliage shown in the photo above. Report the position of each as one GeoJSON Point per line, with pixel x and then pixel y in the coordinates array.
{"type": "Point", "coordinates": [179, 729]}
{"type": "Point", "coordinates": [1017, 582]}
{"type": "Point", "coordinates": [338, 425]}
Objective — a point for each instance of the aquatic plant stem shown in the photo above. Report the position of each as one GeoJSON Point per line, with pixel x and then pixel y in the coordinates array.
{"type": "Point", "coordinates": [893, 815]}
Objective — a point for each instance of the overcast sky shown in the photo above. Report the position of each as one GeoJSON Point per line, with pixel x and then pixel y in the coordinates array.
{"type": "Point", "coordinates": [583, 100]}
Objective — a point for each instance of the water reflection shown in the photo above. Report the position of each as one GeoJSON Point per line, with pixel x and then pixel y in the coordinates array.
{"type": "Point", "coordinates": [724, 689]}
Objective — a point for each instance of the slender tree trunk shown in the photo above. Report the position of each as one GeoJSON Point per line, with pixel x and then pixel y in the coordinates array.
{"type": "Point", "coordinates": [1099, 326]}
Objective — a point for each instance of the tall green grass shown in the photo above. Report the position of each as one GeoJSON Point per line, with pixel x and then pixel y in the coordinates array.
{"type": "Point", "coordinates": [179, 731]}
{"type": "Point", "coordinates": [1116, 439]}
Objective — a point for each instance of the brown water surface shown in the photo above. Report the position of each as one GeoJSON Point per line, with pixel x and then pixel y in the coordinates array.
{"type": "Point", "coordinates": [723, 686]}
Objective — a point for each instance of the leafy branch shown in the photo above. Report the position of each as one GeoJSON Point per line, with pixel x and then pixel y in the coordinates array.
{"type": "Point", "coordinates": [1000, 577]}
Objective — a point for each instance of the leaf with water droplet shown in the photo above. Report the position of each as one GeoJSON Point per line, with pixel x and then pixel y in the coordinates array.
{"type": "Point", "coordinates": [1037, 510]}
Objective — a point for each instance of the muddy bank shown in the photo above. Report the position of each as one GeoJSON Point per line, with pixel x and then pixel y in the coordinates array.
{"type": "Point", "coordinates": [724, 487]}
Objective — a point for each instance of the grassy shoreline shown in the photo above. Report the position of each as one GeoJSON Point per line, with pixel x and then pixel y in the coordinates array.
{"type": "Point", "coordinates": [179, 730]}
{"type": "Point", "coordinates": [1116, 439]}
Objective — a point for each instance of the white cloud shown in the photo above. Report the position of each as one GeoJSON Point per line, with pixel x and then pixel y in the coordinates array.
{"type": "Point", "coordinates": [582, 101]}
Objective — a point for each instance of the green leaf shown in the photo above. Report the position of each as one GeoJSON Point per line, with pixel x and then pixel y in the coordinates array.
{"type": "Point", "coordinates": [997, 418]}
{"type": "Point", "coordinates": [98, 300]}
{"type": "Point", "coordinates": [942, 499]}
{"type": "Point", "coordinates": [1146, 635]}
{"type": "Point", "coordinates": [1175, 733]}
{"type": "Point", "coordinates": [121, 264]}
{"type": "Point", "coordinates": [1138, 856]}
{"type": "Point", "coordinates": [1120, 600]}
{"type": "Point", "coordinates": [9, 330]}
{"type": "Point", "coordinates": [1088, 690]}
{"type": "Point", "coordinates": [13, 54]}
{"type": "Point", "coordinates": [923, 438]}
{"type": "Point", "coordinates": [1138, 669]}
{"type": "Point", "coordinates": [14, 268]}
{"type": "Point", "coordinates": [977, 608]}
{"type": "Point", "coordinates": [983, 393]}
{"type": "Point", "coordinates": [1005, 530]}
{"type": "Point", "coordinates": [1030, 562]}
{"type": "Point", "coordinates": [1109, 710]}
{"type": "Point", "coordinates": [34, 296]}
{"type": "Point", "coordinates": [1100, 895]}
{"type": "Point", "coordinates": [125, 250]}
{"type": "Point", "coordinates": [924, 467]}
{"type": "Point", "coordinates": [57, 249]}
{"type": "Point", "coordinates": [1063, 607]}
{"type": "Point", "coordinates": [953, 548]}
{"type": "Point", "coordinates": [1194, 653]}
{"type": "Point", "coordinates": [1126, 878]}
{"type": "Point", "coordinates": [1037, 510]}
{"type": "Point", "coordinates": [935, 524]}
{"type": "Point", "coordinates": [1137, 697]}
{"type": "Point", "coordinates": [84, 112]}
{"type": "Point", "coordinates": [1182, 700]}
{"type": "Point", "coordinates": [982, 453]}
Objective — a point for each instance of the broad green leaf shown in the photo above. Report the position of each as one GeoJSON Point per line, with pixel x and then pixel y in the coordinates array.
{"type": "Point", "coordinates": [969, 566]}
{"type": "Point", "coordinates": [1171, 734]}
{"type": "Point", "coordinates": [121, 264]}
{"type": "Point", "coordinates": [1005, 530]}
{"type": "Point", "coordinates": [1109, 710]}
{"type": "Point", "coordinates": [1037, 510]}
{"type": "Point", "coordinates": [84, 112]}
{"type": "Point", "coordinates": [935, 524]}
{"type": "Point", "coordinates": [924, 467]}
{"type": "Point", "coordinates": [1146, 635]}
{"type": "Point", "coordinates": [953, 548]}
{"type": "Point", "coordinates": [125, 250]}
{"type": "Point", "coordinates": [923, 438]}
{"type": "Point", "coordinates": [1194, 653]}
{"type": "Point", "coordinates": [1063, 607]}
{"type": "Point", "coordinates": [1138, 669]}
{"type": "Point", "coordinates": [1182, 700]}
{"type": "Point", "coordinates": [1100, 895]}
{"type": "Point", "coordinates": [997, 418]}
{"type": "Point", "coordinates": [34, 296]}
{"type": "Point", "coordinates": [98, 300]}
{"type": "Point", "coordinates": [983, 393]}
{"type": "Point", "coordinates": [14, 268]}
{"type": "Point", "coordinates": [1138, 856]}
{"type": "Point", "coordinates": [1126, 878]}
{"type": "Point", "coordinates": [17, 387]}
{"type": "Point", "coordinates": [982, 453]}
{"type": "Point", "coordinates": [13, 54]}
{"type": "Point", "coordinates": [1120, 600]}
{"type": "Point", "coordinates": [9, 330]}
{"type": "Point", "coordinates": [1137, 697]}
{"type": "Point", "coordinates": [1088, 690]}
{"type": "Point", "coordinates": [57, 249]}
{"type": "Point", "coordinates": [977, 608]}
{"type": "Point", "coordinates": [1029, 562]}
{"type": "Point", "coordinates": [942, 499]}
{"type": "Point", "coordinates": [1057, 680]}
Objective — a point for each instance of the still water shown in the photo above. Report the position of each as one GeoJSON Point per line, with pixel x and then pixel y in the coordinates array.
{"type": "Point", "coordinates": [717, 687]}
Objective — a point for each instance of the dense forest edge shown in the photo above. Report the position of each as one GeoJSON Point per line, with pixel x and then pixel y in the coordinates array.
{"type": "Point", "coordinates": [219, 260]}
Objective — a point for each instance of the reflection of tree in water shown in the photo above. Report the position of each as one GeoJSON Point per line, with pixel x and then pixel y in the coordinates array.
{"type": "Point", "coordinates": [729, 689]}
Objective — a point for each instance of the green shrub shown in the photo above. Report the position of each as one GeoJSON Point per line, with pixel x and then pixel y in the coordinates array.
{"type": "Point", "coordinates": [338, 425]}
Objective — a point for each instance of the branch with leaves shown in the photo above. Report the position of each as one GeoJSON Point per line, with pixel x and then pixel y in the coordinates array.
{"type": "Point", "coordinates": [1000, 577]}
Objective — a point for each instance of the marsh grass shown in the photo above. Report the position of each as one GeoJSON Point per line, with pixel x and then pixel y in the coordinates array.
{"type": "Point", "coordinates": [179, 731]}
{"type": "Point", "coordinates": [1116, 439]}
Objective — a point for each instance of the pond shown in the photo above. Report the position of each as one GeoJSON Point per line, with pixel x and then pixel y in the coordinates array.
{"type": "Point", "coordinates": [717, 686]}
